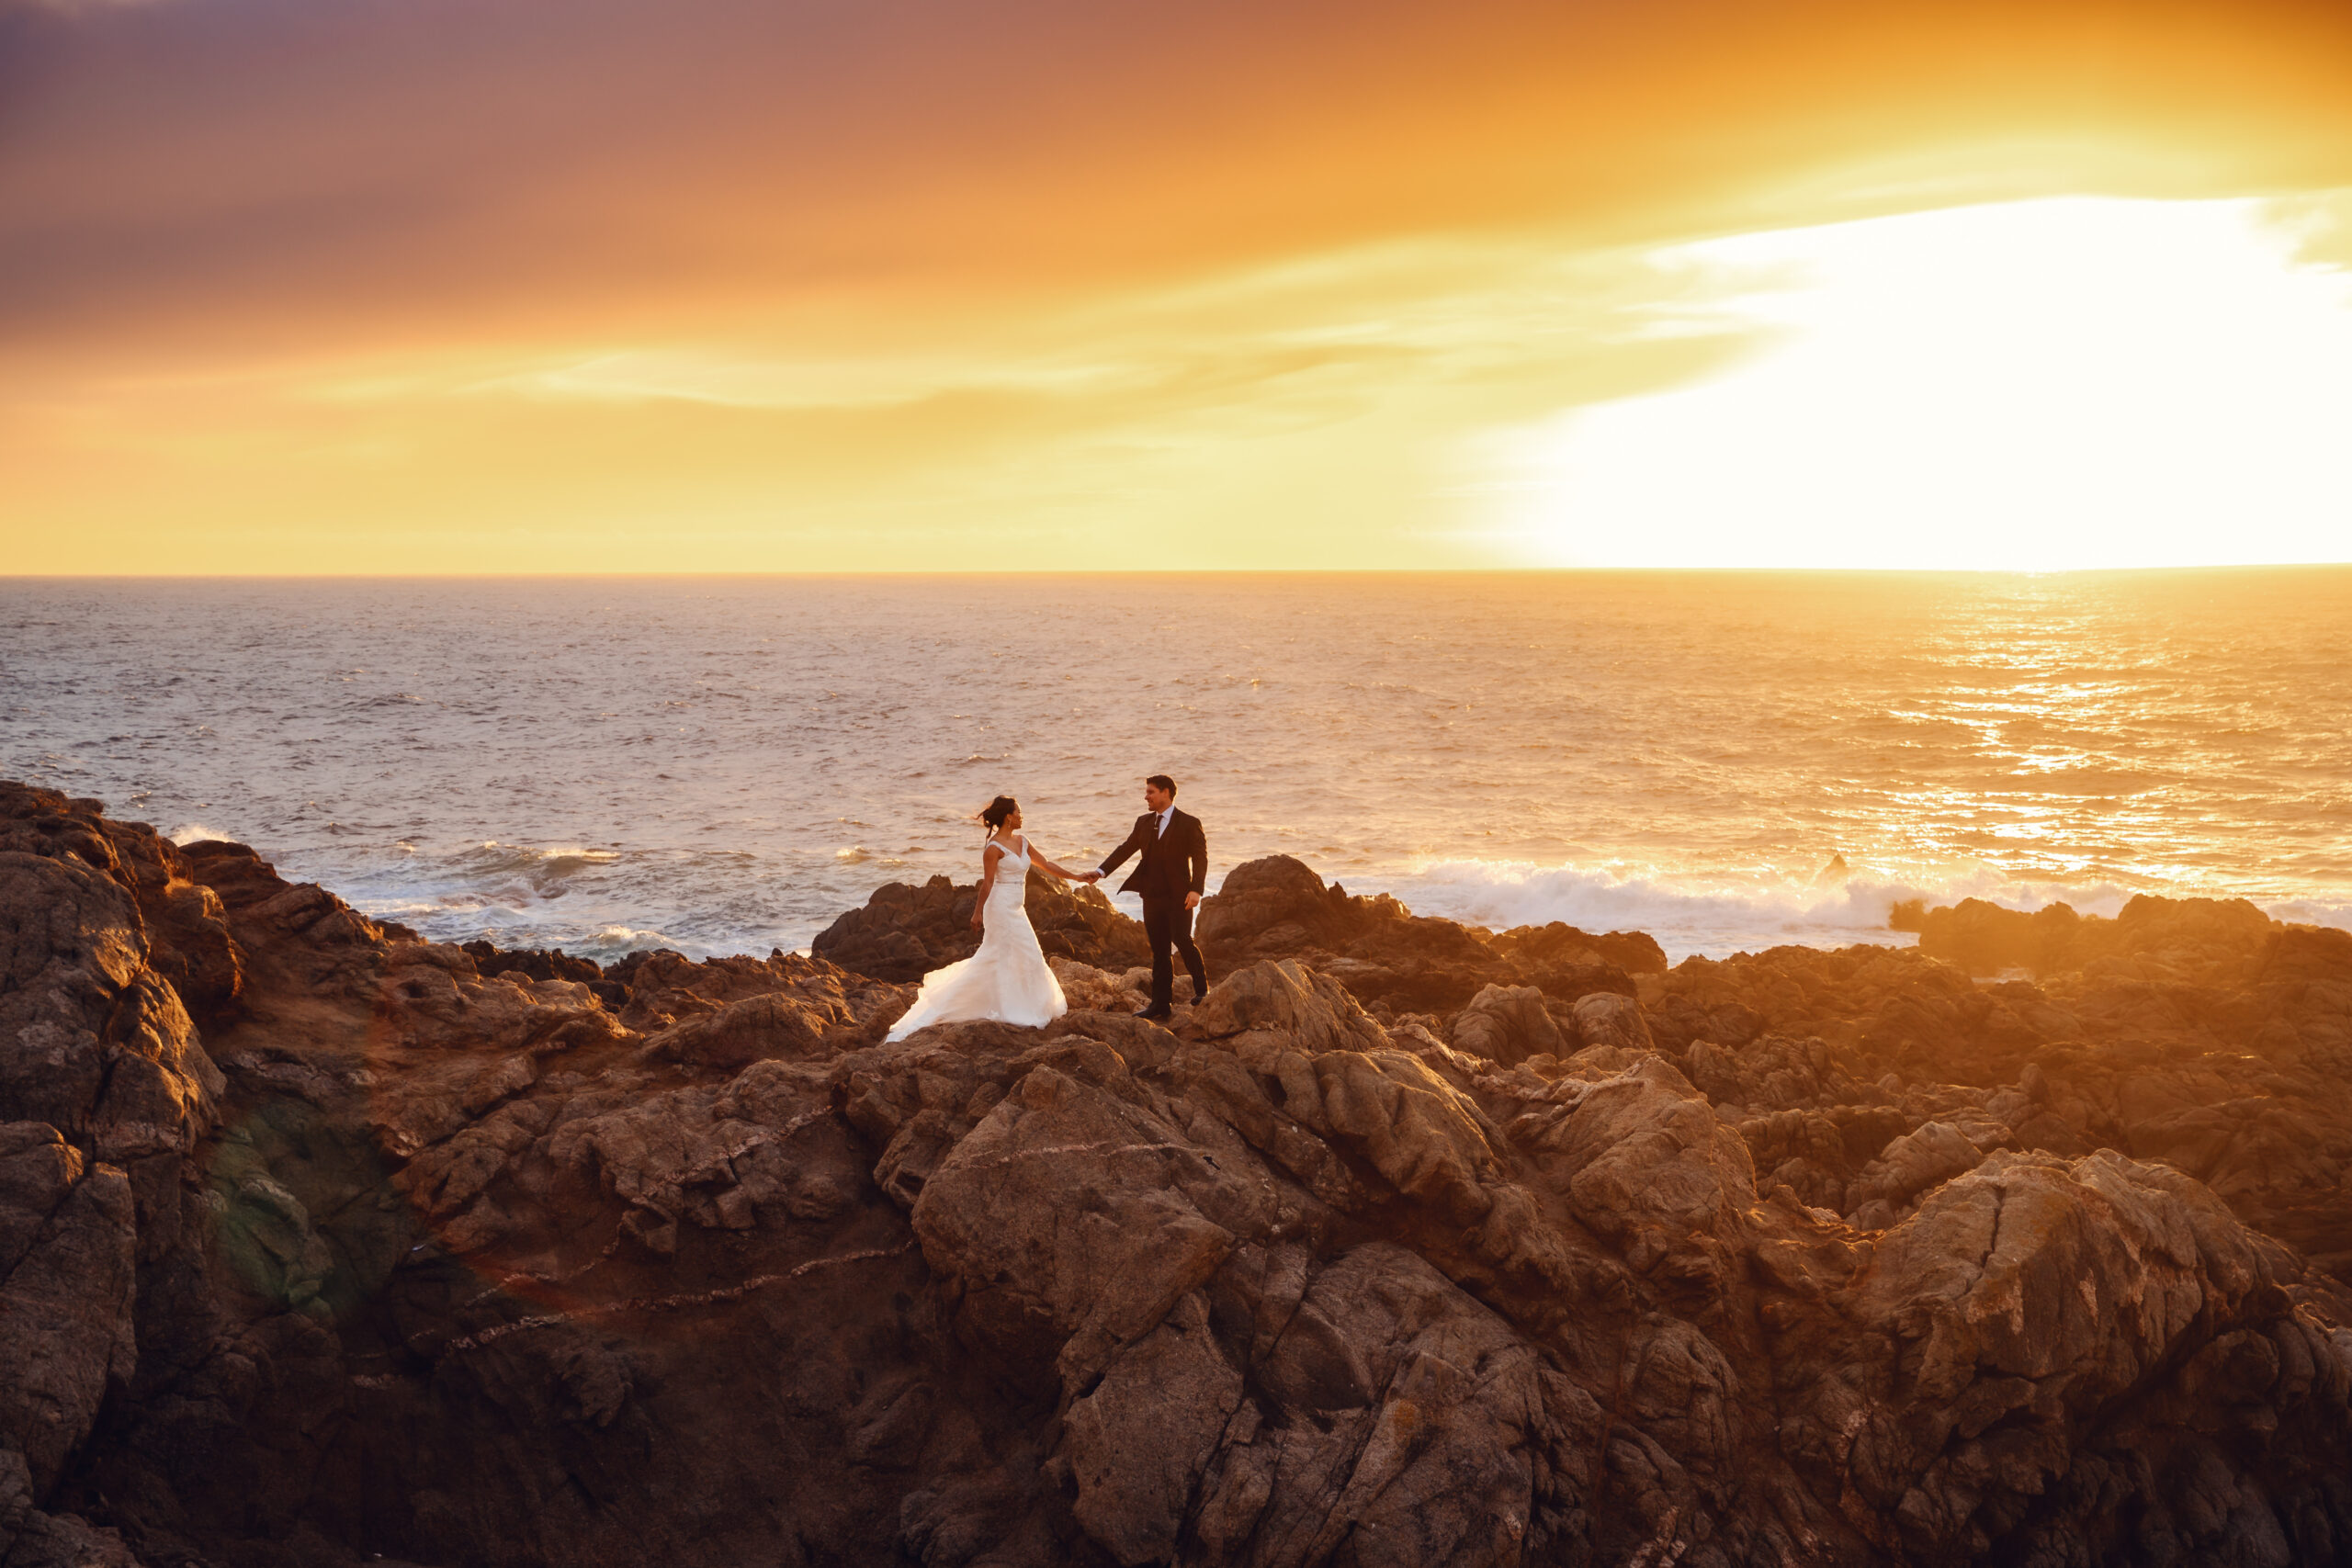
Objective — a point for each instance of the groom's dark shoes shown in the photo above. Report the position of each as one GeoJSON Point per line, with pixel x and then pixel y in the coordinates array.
{"type": "Point", "coordinates": [1158, 1015]}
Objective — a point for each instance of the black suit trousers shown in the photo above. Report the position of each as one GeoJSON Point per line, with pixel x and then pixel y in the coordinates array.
{"type": "Point", "coordinates": [1167, 924]}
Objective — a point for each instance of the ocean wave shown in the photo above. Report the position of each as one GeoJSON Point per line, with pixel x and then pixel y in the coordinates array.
{"type": "Point", "coordinates": [593, 932]}
{"type": "Point", "coordinates": [518, 872]}
{"type": "Point", "coordinates": [2310, 912]}
{"type": "Point", "coordinates": [606, 944]}
{"type": "Point", "coordinates": [1717, 914]}
{"type": "Point", "coordinates": [592, 903]}
{"type": "Point", "coordinates": [193, 833]}
{"type": "Point", "coordinates": [521, 854]}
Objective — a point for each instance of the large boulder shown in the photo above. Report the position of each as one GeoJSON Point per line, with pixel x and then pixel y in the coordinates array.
{"type": "Point", "coordinates": [1308, 1011]}
{"type": "Point", "coordinates": [1276, 903]}
{"type": "Point", "coordinates": [1277, 908]}
{"type": "Point", "coordinates": [1509, 1024]}
{"type": "Point", "coordinates": [1604, 1018]}
{"type": "Point", "coordinates": [2202, 940]}
{"type": "Point", "coordinates": [2014, 1314]}
{"type": "Point", "coordinates": [1560, 947]}
{"type": "Point", "coordinates": [904, 932]}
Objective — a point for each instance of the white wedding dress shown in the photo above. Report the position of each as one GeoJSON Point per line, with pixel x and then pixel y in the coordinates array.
{"type": "Point", "coordinates": [1007, 979]}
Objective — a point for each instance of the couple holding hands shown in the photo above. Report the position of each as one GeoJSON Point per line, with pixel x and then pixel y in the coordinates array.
{"type": "Point", "coordinates": [1008, 979]}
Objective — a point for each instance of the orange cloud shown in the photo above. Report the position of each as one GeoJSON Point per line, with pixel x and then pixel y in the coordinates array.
{"type": "Point", "coordinates": [462, 287]}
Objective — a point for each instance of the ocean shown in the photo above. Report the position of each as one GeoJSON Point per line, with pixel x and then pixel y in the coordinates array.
{"type": "Point", "coordinates": [1727, 761]}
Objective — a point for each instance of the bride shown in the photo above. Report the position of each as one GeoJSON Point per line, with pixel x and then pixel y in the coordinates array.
{"type": "Point", "coordinates": [1007, 979]}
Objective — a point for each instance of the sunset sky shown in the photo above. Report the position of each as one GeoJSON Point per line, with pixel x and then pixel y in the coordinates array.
{"type": "Point", "coordinates": [450, 286]}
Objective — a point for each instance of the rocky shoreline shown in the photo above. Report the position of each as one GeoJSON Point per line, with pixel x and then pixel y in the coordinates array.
{"type": "Point", "coordinates": [1410, 1244]}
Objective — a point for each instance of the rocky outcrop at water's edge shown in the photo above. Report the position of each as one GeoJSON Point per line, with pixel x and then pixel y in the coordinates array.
{"type": "Point", "coordinates": [1410, 1243]}
{"type": "Point", "coordinates": [904, 932]}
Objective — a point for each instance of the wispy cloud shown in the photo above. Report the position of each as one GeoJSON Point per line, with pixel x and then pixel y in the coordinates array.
{"type": "Point", "coordinates": [428, 270]}
{"type": "Point", "coordinates": [73, 7]}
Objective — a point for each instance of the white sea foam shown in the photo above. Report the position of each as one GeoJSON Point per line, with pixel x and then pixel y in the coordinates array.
{"type": "Point", "coordinates": [2310, 912]}
{"type": "Point", "coordinates": [193, 833]}
{"type": "Point", "coordinates": [608, 942]}
{"type": "Point", "coordinates": [1720, 914]}
{"type": "Point", "coordinates": [1714, 914]}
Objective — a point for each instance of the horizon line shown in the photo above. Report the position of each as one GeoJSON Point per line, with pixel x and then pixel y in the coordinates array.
{"type": "Point", "coordinates": [935, 572]}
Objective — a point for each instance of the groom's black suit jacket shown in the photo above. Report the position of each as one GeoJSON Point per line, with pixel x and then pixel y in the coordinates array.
{"type": "Point", "coordinates": [1174, 863]}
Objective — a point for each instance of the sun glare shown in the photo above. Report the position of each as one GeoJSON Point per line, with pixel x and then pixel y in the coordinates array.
{"type": "Point", "coordinates": [2037, 386]}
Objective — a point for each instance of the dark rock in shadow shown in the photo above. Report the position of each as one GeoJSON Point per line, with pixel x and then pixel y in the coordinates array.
{"type": "Point", "coordinates": [412, 1253]}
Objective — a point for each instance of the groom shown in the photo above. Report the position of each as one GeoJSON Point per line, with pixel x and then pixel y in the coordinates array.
{"type": "Point", "coordinates": [1175, 865]}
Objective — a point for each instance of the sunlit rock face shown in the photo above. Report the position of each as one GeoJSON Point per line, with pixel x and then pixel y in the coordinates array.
{"type": "Point", "coordinates": [319, 1242]}
{"type": "Point", "coordinates": [904, 932]}
{"type": "Point", "coordinates": [1278, 908]}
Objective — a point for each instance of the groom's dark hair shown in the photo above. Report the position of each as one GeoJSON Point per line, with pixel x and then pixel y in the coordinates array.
{"type": "Point", "coordinates": [1162, 782]}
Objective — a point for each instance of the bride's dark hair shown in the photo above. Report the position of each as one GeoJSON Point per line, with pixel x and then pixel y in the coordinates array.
{"type": "Point", "coordinates": [997, 810]}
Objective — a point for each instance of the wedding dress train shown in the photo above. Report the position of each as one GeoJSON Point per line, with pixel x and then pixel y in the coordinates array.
{"type": "Point", "coordinates": [1007, 979]}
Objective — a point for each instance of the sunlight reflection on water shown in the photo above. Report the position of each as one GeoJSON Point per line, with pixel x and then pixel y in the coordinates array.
{"type": "Point", "coordinates": [725, 765]}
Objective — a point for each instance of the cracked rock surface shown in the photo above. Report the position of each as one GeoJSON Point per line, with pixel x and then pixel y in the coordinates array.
{"type": "Point", "coordinates": [1410, 1243]}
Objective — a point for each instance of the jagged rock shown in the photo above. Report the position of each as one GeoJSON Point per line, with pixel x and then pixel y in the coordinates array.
{"type": "Point", "coordinates": [1312, 1011]}
{"type": "Point", "coordinates": [184, 928]}
{"type": "Point", "coordinates": [2245, 1082]}
{"type": "Point", "coordinates": [187, 929]}
{"type": "Point", "coordinates": [1277, 903]}
{"type": "Point", "coordinates": [1400, 1422]}
{"type": "Point", "coordinates": [1640, 1157]}
{"type": "Point", "coordinates": [2202, 939]}
{"type": "Point", "coordinates": [1772, 1073]}
{"type": "Point", "coordinates": [1376, 948]}
{"type": "Point", "coordinates": [1278, 908]}
{"type": "Point", "coordinates": [1085, 987]}
{"type": "Point", "coordinates": [67, 1248]}
{"type": "Point", "coordinates": [1604, 1018]}
{"type": "Point", "coordinates": [93, 1041]}
{"type": "Point", "coordinates": [1563, 946]}
{"type": "Point", "coordinates": [1508, 1024]}
{"type": "Point", "coordinates": [1918, 1161]}
{"type": "Point", "coordinates": [903, 932]}
{"type": "Point", "coordinates": [2028, 1297]}
{"type": "Point", "coordinates": [1984, 939]}
{"type": "Point", "coordinates": [532, 962]}
{"type": "Point", "coordinates": [538, 963]}
{"type": "Point", "coordinates": [779, 1023]}
{"type": "Point", "coordinates": [453, 1262]}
